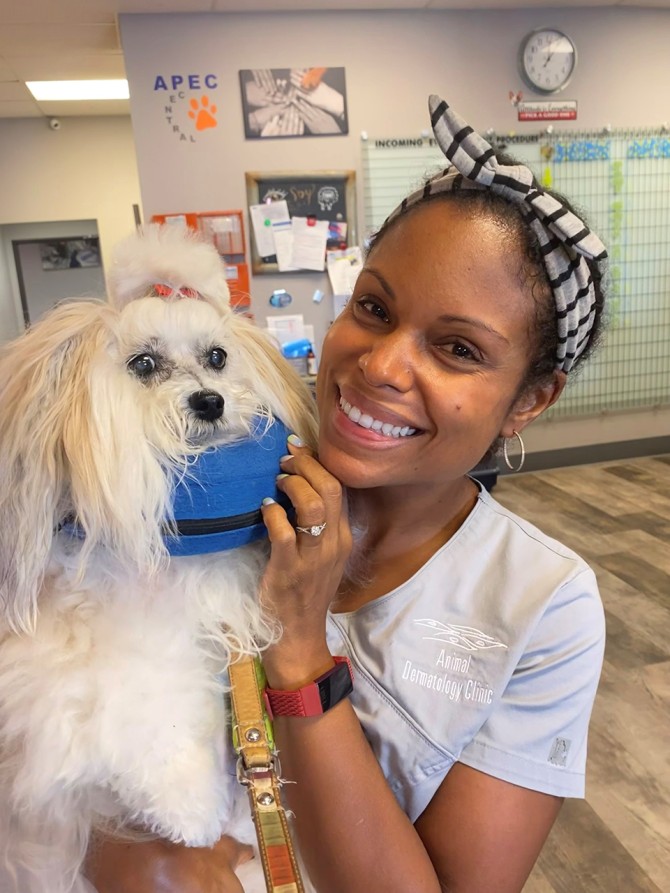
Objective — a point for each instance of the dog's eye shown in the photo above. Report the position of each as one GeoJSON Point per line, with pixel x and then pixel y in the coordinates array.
{"type": "Point", "coordinates": [143, 365]}
{"type": "Point", "coordinates": [217, 357]}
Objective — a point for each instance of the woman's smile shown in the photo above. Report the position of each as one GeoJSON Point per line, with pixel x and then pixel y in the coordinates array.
{"type": "Point", "coordinates": [361, 419]}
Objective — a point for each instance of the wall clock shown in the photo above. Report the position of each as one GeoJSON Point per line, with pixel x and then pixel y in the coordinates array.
{"type": "Point", "coordinates": [547, 59]}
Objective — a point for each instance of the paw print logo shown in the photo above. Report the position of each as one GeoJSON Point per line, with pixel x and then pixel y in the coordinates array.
{"type": "Point", "coordinates": [203, 113]}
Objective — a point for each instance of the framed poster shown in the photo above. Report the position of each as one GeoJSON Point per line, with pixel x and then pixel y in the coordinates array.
{"type": "Point", "coordinates": [67, 254]}
{"type": "Point", "coordinates": [316, 195]}
{"type": "Point", "coordinates": [293, 102]}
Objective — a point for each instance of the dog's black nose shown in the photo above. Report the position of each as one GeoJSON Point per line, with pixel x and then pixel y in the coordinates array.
{"type": "Point", "coordinates": [207, 405]}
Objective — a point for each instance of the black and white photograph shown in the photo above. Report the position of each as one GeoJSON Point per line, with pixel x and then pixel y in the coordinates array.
{"type": "Point", "coordinates": [66, 254]}
{"type": "Point", "coordinates": [294, 102]}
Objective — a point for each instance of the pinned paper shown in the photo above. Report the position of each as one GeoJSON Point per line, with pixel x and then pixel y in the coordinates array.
{"type": "Point", "coordinates": [262, 219]}
{"type": "Point", "coordinates": [309, 243]}
{"type": "Point", "coordinates": [286, 328]}
{"type": "Point", "coordinates": [178, 220]}
{"type": "Point", "coordinates": [282, 232]}
{"type": "Point", "coordinates": [344, 267]}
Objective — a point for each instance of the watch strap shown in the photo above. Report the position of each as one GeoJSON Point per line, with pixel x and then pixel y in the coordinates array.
{"type": "Point", "coordinates": [317, 696]}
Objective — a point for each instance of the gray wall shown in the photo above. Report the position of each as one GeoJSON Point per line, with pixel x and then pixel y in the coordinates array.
{"type": "Point", "coordinates": [43, 287]}
{"type": "Point", "coordinates": [86, 171]}
{"type": "Point", "coordinates": [393, 60]}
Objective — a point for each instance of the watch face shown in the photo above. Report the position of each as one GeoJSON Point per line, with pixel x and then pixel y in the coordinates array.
{"type": "Point", "coordinates": [335, 686]}
{"type": "Point", "coordinates": [547, 59]}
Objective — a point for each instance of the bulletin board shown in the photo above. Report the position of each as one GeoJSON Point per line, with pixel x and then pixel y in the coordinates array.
{"type": "Point", "coordinates": [621, 180]}
{"type": "Point", "coordinates": [322, 195]}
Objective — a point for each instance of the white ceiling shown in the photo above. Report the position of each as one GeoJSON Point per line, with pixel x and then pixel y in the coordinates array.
{"type": "Point", "coordinates": [78, 39]}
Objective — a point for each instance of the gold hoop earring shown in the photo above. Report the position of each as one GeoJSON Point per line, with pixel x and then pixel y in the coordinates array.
{"type": "Point", "coordinates": [522, 457]}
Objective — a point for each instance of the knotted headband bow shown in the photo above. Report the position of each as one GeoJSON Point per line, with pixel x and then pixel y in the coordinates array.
{"type": "Point", "coordinates": [564, 239]}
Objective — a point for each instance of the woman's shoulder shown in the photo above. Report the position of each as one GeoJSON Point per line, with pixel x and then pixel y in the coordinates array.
{"type": "Point", "coordinates": [499, 525]}
{"type": "Point", "coordinates": [511, 567]}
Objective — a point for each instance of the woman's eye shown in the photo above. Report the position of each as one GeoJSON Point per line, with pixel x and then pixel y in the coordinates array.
{"type": "Point", "coordinates": [369, 305]}
{"type": "Point", "coordinates": [142, 365]}
{"type": "Point", "coordinates": [461, 351]}
{"type": "Point", "coordinates": [217, 357]}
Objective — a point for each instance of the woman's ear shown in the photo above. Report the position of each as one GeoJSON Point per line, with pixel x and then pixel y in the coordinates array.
{"type": "Point", "coordinates": [532, 403]}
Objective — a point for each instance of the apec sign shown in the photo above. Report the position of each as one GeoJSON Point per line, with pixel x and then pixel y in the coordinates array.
{"type": "Point", "coordinates": [187, 110]}
{"type": "Point", "coordinates": [176, 82]}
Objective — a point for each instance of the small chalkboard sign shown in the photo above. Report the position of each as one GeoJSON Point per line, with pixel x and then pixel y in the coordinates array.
{"type": "Point", "coordinates": [323, 195]}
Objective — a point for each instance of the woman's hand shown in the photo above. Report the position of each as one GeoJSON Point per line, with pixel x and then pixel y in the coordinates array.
{"type": "Point", "coordinates": [304, 571]}
{"type": "Point", "coordinates": [156, 866]}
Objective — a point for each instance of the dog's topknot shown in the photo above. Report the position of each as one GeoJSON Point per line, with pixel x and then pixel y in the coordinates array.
{"type": "Point", "coordinates": [167, 256]}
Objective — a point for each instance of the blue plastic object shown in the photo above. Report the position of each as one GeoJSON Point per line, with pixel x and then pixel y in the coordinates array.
{"type": "Point", "coordinates": [300, 348]}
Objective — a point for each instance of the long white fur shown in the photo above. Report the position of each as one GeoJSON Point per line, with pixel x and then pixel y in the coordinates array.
{"type": "Point", "coordinates": [111, 653]}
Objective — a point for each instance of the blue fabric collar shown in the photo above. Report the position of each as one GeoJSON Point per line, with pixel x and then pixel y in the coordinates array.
{"type": "Point", "coordinates": [216, 505]}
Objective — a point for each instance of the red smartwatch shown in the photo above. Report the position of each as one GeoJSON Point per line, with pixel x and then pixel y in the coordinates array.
{"type": "Point", "coordinates": [316, 697]}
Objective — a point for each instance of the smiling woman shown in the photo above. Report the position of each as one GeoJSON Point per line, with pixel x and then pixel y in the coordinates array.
{"type": "Point", "coordinates": [437, 355]}
{"type": "Point", "coordinates": [476, 641]}
{"type": "Point", "coordinates": [479, 296]}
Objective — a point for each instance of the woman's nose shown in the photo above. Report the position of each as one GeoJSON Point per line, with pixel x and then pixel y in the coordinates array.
{"type": "Point", "coordinates": [388, 363]}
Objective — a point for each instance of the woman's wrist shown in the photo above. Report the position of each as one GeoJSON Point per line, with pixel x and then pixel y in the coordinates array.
{"type": "Point", "coordinates": [289, 670]}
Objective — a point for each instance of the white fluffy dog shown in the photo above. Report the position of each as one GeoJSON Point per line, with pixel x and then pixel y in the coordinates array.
{"type": "Point", "coordinates": [111, 698]}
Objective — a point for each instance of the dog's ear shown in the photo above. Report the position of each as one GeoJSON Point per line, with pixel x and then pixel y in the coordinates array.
{"type": "Point", "coordinates": [42, 384]}
{"type": "Point", "coordinates": [275, 381]}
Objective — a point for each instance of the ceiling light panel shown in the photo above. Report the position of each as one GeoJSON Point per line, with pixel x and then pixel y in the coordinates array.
{"type": "Point", "coordinates": [51, 91]}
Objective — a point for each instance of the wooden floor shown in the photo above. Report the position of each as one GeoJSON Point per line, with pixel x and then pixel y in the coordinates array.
{"type": "Point", "coordinates": [617, 516]}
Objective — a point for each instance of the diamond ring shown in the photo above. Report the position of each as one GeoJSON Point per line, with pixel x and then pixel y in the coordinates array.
{"type": "Point", "coordinates": [314, 530]}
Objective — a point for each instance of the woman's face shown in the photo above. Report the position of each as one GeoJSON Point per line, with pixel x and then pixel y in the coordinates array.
{"type": "Point", "coordinates": [420, 372]}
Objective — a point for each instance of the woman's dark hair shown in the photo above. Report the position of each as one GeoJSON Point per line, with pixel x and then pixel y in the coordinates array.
{"type": "Point", "coordinates": [532, 273]}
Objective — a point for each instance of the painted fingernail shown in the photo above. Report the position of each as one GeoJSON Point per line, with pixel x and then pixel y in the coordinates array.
{"type": "Point", "coordinates": [295, 440]}
{"type": "Point", "coordinates": [284, 458]}
{"type": "Point", "coordinates": [280, 476]}
{"type": "Point", "coordinates": [269, 501]}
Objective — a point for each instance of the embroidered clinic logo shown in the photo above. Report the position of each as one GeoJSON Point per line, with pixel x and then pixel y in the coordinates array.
{"type": "Point", "coordinates": [466, 637]}
{"type": "Point", "coordinates": [188, 109]}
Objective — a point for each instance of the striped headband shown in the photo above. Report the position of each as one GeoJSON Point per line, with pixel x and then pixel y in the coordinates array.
{"type": "Point", "coordinates": [565, 241]}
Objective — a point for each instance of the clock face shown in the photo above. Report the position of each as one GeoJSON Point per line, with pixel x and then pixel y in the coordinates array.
{"type": "Point", "coordinates": [547, 59]}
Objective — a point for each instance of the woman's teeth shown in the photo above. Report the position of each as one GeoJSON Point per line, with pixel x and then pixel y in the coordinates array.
{"type": "Point", "coordinates": [367, 421]}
